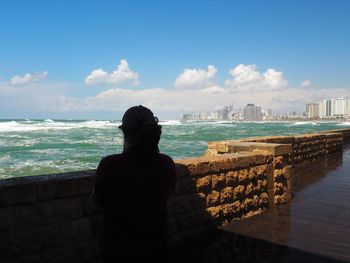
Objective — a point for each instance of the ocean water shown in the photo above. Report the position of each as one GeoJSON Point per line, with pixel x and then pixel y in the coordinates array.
{"type": "Point", "coordinates": [34, 147]}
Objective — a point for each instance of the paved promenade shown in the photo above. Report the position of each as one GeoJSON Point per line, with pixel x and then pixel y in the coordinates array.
{"type": "Point", "coordinates": [315, 226]}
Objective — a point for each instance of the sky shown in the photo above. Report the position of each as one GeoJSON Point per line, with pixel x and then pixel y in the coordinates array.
{"type": "Point", "coordinates": [94, 59]}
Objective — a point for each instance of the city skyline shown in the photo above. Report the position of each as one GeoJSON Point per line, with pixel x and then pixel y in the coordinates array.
{"type": "Point", "coordinates": [94, 60]}
{"type": "Point", "coordinates": [334, 108]}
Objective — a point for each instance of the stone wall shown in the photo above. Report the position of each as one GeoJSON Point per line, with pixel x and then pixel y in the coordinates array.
{"type": "Point", "coordinates": [215, 190]}
{"type": "Point", "coordinates": [303, 149]}
{"type": "Point", "coordinates": [308, 148]}
{"type": "Point", "coordinates": [52, 218]}
{"type": "Point", "coordinates": [48, 219]}
{"type": "Point", "coordinates": [281, 181]}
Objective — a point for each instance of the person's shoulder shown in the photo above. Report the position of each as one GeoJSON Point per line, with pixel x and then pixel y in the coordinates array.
{"type": "Point", "coordinates": [166, 158]}
{"type": "Point", "coordinates": [110, 159]}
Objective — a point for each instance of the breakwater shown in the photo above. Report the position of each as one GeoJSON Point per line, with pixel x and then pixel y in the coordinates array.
{"type": "Point", "coordinates": [52, 218]}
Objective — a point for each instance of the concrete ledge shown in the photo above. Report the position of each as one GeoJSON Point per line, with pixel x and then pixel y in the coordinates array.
{"type": "Point", "coordinates": [240, 146]}
{"type": "Point", "coordinates": [30, 189]}
{"type": "Point", "coordinates": [223, 163]}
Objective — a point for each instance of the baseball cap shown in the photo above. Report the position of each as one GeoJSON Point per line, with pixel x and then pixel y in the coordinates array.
{"type": "Point", "coordinates": [136, 116]}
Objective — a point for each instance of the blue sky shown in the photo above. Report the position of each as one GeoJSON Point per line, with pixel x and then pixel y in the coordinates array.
{"type": "Point", "coordinates": [167, 47]}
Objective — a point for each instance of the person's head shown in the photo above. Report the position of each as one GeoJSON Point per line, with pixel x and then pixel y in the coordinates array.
{"type": "Point", "coordinates": [141, 130]}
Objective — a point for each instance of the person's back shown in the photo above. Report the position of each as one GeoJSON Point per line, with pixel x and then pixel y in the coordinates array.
{"type": "Point", "coordinates": [133, 188]}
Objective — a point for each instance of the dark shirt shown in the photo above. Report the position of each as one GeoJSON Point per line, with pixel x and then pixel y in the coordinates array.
{"type": "Point", "coordinates": [133, 191]}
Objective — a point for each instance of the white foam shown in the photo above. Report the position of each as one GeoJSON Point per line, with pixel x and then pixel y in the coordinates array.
{"type": "Point", "coordinates": [5, 158]}
{"type": "Point", "coordinates": [170, 122]}
{"type": "Point", "coordinates": [24, 126]}
{"type": "Point", "coordinates": [304, 123]}
{"type": "Point", "coordinates": [346, 123]}
{"type": "Point", "coordinates": [49, 120]}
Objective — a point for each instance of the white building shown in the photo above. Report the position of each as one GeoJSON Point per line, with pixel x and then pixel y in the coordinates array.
{"type": "Point", "coordinates": [266, 114]}
{"type": "Point", "coordinates": [339, 107]}
{"type": "Point", "coordinates": [236, 115]}
{"type": "Point", "coordinates": [252, 113]}
{"type": "Point", "coordinates": [326, 108]}
{"type": "Point", "coordinates": [312, 110]}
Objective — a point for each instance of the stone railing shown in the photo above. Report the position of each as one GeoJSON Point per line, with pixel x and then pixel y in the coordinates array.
{"type": "Point", "coordinates": [306, 148]}
{"type": "Point", "coordinates": [52, 218]}
{"type": "Point", "coordinates": [281, 181]}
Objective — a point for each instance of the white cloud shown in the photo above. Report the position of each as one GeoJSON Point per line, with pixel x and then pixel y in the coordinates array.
{"type": "Point", "coordinates": [305, 83]}
{"type": "Point", "coordinates": [123, 74]}
{"type": "Point", "coordinates": [28, 78]}
{"type": "Point", "coordinates": [268, 89]}
{"type": "Point", "coordinates": [173, 102]}
{"type": "Point", "coordinates": [248, 78]}
{"type": "Point", "coordinates": [196, 78]}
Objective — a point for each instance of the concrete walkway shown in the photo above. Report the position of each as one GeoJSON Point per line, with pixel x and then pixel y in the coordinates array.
{"type": "Point", "coordinates": [314, 227]}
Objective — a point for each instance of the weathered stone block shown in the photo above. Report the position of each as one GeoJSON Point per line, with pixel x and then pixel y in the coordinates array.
{"type": "Point", "coordinates": [278, 188]}
{"type": "Point", "coordinates": [16, 218]}
{"type": "Point", "coordinates": [214, 212]}
{"type": "Point", "coordinates": [62, 188]}
{"type": "Point", "coordinates": [249, 189]}
{"type": "Point", "coordinates": [243, 176]}
{"type": "Point", "coordinates": [89, 206]}
{"type": "Point", "coordinates": [226, 195]}
{"type": "Point", "coordinates": [11, 194]}
{"type": "Point", "coordinates": [248, 202]}
{"type": "Point", "coordinates": [238, 192]}
{"type": "Point", "coordinates": [213, 199]}
{"type": "Point", "coordinates": [204, 184]}
{"type": "Point", "coordinates": [278, 175]}
{"type": "Point", "coordinates": [44, 237]}
{"type": "Point", "coordinates": [270, 178]}
{"type": "Point", "coordinates": [218, 182]}
{"type": "Point", "coordinates": [232, 178]}
{"type": "Point", "coordinates": [255, 203]}
{"type": "Point", "coordinates": [264, 200]}
{"type": "Point", "coordinates": [262, 185]}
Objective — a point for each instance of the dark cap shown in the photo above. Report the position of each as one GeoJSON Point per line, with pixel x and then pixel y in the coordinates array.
{"type": "Point", "coordinates": [135, 116]}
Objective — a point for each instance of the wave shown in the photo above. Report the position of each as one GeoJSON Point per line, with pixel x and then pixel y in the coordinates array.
{"type": "Point", "coordinates": [170, 122]}
{"type": "Point", "coordinates": [5, 158]}
{"type": "Point", "coordinates": [305, 123]}
{"type": "Point", "coordinates": [48, 124]}
{"type": "Point", "coordinates": [343, 124]}
{"type": "Point", "coordinates": [49, 120]}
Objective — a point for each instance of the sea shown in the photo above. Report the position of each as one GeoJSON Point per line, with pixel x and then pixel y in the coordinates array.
{"type": "Point", "coordinates": [35, 147]}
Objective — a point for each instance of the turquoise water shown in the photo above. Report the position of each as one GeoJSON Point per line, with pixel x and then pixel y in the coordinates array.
{"type": "Point", "coordinates": [33, 147]}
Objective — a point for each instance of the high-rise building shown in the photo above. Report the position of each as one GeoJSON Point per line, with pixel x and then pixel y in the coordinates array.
{"type": "Point", "coordinates": [338, 108]}
{"type": "Point", "coordinates": [312, 110]}
{"type": "Point", "coordinates": [326, 108]}
{"type": "Point", "coordinates": [225, 111]}
{"type": "Point", "coordinates": [266, 114]}
{"type": "Point", "coordinates": [252, 113]}
{"type": "Point", "coordinates": [341, 107]}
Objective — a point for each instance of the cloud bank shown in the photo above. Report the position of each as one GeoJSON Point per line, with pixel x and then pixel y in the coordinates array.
{"type": "Point", "coordinates": [123, 74]}
{"type": "Point", "coordinates": [194, 90]}
{"type": "Point", "coordinates": [196, 78]}
{"type": "Point", "coordinates": [28, 78]}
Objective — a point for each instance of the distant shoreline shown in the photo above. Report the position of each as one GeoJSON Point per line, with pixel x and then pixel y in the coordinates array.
{"type": "Point", "coordinates": [166, 120]}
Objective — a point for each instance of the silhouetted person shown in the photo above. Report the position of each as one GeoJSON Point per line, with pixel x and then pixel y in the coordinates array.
{"type": "Point", "coordinates": [133, 188]}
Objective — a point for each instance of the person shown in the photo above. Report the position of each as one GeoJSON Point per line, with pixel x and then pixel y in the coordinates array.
{"type": "Point", "coordinates": [133, 188]}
